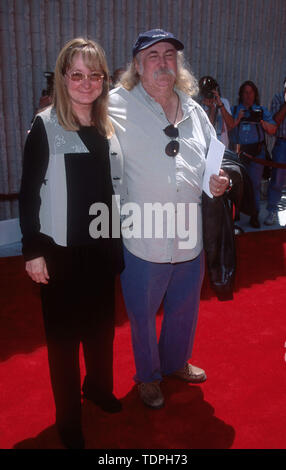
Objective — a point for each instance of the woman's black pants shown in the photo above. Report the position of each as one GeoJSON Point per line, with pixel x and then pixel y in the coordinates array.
{"type": "Point", "coordinates": [79, 309]}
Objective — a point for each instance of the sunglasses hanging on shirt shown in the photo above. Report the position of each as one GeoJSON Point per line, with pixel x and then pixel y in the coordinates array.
{"type": "Point", "coordinates": [173, 147]}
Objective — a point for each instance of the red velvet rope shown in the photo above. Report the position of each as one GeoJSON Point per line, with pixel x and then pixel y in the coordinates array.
{"type": "Point", "coordinates": [261, 161]}
{"type": "Point", "coordinates": [9, 197]}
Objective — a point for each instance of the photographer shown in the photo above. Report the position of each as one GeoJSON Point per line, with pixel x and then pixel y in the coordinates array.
{"type": "Point", "coordinates": [278, 175]}
{"type": "Point", "coordinates": [217, 108]}
{"type": "Point", "coordinates": [251, 122]}
{"type": "Point", "coordinates": [47, 94]}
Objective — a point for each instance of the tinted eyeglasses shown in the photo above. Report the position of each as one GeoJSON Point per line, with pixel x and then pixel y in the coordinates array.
{"type": "Point", "coordinates": [79, 76]}
{"type": "Point", "coordinates": [173, 147]}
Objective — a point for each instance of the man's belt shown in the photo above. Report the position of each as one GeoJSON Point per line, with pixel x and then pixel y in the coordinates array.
{"type": "Point", "coordinates": [263, 162]}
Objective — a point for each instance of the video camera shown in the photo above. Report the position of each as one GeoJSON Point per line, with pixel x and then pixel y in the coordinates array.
{"type": "Point", "coordinates": [253, 115]}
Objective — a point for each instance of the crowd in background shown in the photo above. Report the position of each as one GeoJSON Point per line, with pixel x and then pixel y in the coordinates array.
{"type": "Point", "coordinates": [243, 128]}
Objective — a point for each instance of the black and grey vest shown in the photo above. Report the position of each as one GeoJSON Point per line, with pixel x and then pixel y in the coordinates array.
{"type": "Point", "coordinates": [53, 210]}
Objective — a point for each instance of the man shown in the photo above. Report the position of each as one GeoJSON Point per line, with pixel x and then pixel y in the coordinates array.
{"type": "Point", "coordinates": [164, 136]}
{"type": "Point", "coordinates": [278, 176]}
{"type": "Point", "coordinates": [217, 108]}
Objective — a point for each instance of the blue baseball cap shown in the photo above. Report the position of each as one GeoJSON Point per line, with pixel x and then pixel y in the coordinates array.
{"type": "Point", "coordinates": [153, 36]}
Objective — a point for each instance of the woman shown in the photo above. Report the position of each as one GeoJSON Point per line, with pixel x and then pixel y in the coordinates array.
{"type": "Point", "coordinates": [251, 123]}
{"type": "Point", "coordinates": [66, 170]}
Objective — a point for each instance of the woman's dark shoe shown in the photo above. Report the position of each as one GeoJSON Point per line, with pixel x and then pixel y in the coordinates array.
{"type": "Point", "coordinates": [108, 403]}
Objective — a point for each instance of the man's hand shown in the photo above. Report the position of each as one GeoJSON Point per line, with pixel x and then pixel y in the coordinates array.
{"type": "Point", "coordinates": [210, 102]}
{"type": "Point", "coordinates": [219, 183]}
{"type": "Point", "coordinates": [217, 99]}
{"type": "Point", "coordinates": [37, 270]}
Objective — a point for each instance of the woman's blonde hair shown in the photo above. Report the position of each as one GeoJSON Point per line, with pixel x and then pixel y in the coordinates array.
{"type": "Point", "coordinates": [94, 58]}
{"type": "Point", "coordinates": [185, 80]}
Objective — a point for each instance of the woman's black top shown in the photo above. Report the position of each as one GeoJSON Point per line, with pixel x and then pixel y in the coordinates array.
{"type": "Point", "coordinates": [87, 181]}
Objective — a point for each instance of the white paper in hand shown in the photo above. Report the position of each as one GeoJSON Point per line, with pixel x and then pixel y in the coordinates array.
{"type": "Point", "coordinates": [213, 163]}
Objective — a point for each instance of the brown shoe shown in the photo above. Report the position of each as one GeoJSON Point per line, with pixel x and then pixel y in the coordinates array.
{"type": "Point", "coordinates": [191, 374]}
{"type": "Point", "coordinates": [151, 395]}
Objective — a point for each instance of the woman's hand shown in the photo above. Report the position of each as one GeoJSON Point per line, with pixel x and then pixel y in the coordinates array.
{"type": "Point", "coordinates": [37, 270]}
{"type": "Point", "coordinates": [240, 114]}
{"type": "Point", "coordinates": [239, 117]}
{"type": "Point", "coordinates": [219, 183]}
{"type": "Point", "coordinates": [268, 127]}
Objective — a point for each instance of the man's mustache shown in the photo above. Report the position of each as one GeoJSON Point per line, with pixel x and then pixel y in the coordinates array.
{"type": "Point", "coordinates": [164, 71]}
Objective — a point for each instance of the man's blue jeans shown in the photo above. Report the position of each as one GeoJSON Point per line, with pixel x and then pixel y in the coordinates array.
{"type": "Point", "coordinates": [278, 176]}
{"type": "Point", "coordinates": [145, 285]}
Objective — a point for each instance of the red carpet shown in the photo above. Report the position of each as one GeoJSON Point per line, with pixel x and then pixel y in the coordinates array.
{"type": "Point", "coordinates": [241, 343]}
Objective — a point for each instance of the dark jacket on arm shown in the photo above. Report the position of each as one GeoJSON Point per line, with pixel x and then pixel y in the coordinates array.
{"type": "Point", "coordinates": [218, 226]}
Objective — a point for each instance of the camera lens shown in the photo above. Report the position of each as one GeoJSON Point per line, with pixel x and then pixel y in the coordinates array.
{"type": "Point", "coordinates": [206, 85]}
